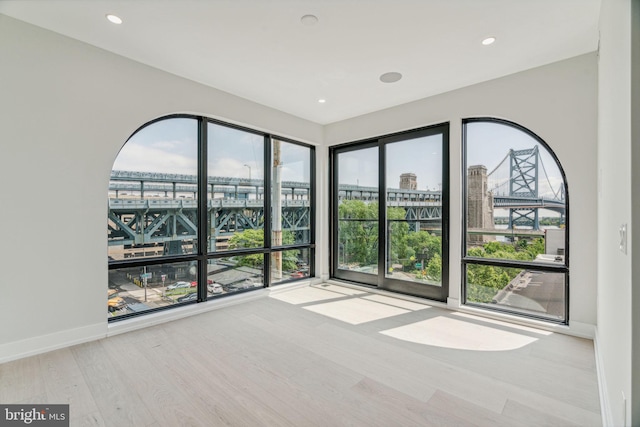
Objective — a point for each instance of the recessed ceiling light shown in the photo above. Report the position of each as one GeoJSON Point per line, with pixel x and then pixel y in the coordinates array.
{"type": "Point", "coordinates": [322, 101]}
{"type": "Point", "coordinates": [309, 20]}
{"type": "Point", "coordinates": [488, 41]}
{"type": "Point", "coordinates": [114, 19]}
{"type": "Point", "coordinates": [390, 77]}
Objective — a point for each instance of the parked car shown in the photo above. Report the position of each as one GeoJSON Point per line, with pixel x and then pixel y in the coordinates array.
{"type": "Point", "coordinates": [179, 285]}
{"type": "Point", "coordinates": [195, 283]}
{"type": "Point", "coordinates": [215, 288]}
{"type": "Point", "coordinates": [189, 297]}
{"type": "Point", "coordinates": [114, 302]}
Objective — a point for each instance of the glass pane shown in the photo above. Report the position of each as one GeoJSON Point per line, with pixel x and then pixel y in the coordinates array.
{"type": "Point", "coordinates": [358, 210]}
{"type": "Point", "coordinates": [290, 190]}
{"type": "Point", "coordinates": [153, 192]}
{"type": "Point", "coordinates": [413, 255]}
{"type": "Point", "coordinates": [235, 274]}
{"type": "Point", "coordinates": [235, 189]}
{"type": "Point", "coordinates": [515, 195]}
{"type": "Point", "coordinates": [288, 265]}
{"type": "Point", "coordinates": [137, 289]}
{"type": "Point", "coordinates": [521, 290]}
{"type": "Point", "coordinates": [414, 210]}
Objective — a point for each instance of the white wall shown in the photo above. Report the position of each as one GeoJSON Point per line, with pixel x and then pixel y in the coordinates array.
{"type": "Point", "coordinates": [635, 218]}
{"type": "Point", "coordinates": [66, 108]}
{"type": "Point", "coordinates": [614, 208]}
{"type": "Point", "coordinates": [558, 103]}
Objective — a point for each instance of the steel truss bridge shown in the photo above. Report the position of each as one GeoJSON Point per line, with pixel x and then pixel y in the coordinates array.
{"type": "Point", "coordinates": [156, 208]}
{"type": "Point", "coordinates": [161, 209]}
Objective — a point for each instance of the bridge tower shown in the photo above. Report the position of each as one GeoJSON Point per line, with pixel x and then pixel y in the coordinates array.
{"type": "Point", "coordinates": [408, 181]}
{"type": "Point", "coordinates": [523, 182]}
{"type": "Point", "coordinates": [479, 202]}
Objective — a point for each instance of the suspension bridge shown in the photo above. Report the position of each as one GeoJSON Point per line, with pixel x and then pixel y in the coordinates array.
{"type": "Point", "coordinates": [521, 184]}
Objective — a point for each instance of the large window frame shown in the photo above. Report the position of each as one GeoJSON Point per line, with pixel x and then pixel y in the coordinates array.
{"type": "Point", "coordinates": [202, 255]}
{"type": "Point", "coordinates": [380, 279]}
{"type": "Point", "coordinates": [543, 267]}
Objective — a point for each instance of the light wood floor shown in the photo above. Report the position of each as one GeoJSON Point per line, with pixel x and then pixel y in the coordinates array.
{"type": "Point", "coordinates": [318, 356]}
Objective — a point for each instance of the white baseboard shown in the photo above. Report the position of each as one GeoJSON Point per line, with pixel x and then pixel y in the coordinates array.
{"type": "Point", "coordinates": [151, 319]}
{"type": "Point", "coordinates": [605, 406]}
{"type": "Point", "coordinates": [276, 289]}
{"type": "Point", "coordinates": [582, 330]}
{"type": "Point", "coordinates": [49, 342]}
{"type": "Point", "coordinates": [453, 303]}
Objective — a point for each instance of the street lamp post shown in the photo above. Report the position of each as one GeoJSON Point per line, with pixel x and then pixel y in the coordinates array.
{"type": "Point", "coordinates": [249, 171]}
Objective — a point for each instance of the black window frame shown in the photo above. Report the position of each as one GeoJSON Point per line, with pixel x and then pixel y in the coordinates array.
{"type": "Point", "coordinates": [538, 266]}
{"type": "Point", "coordinates": [202, 255]}
{"type": "Point", "coordinates": [380, 280]}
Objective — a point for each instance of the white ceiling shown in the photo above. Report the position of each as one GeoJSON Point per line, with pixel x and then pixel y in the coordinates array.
{"type": "Point", "coordinates": [260, 49]}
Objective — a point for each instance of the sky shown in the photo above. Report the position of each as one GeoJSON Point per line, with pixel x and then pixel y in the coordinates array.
{"type": "Point", "coordinates": [170, 146]}
{"type": "Point", "coordinates": [421, 156]}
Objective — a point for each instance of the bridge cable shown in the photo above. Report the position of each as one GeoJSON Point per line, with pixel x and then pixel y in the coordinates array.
{"type": "Point", "coordinates": [503, 181]}
{"type": "Point", "coordinates": [556, 195]}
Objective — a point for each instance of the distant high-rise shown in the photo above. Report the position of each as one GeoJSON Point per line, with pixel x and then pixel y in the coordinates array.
{"type": "Point", "coordinates": [408, 181]}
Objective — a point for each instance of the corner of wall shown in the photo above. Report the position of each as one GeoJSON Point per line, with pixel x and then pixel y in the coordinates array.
{"type": "Point", "coordinates": [605, 407]}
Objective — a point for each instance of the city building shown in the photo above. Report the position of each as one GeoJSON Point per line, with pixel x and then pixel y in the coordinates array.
{"type": "Point", "coordinates": [69, 102]}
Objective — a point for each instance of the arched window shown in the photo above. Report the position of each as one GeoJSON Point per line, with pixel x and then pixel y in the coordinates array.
{"type": "Point", "coordinates": [516, 252]}
{"type": "Point", "coordinates": [200, 209]}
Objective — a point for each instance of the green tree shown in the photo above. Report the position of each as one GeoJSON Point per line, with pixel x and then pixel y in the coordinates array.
{"type": "Point", "coordinates": [399, 252]}
{"type": "Point", "coordinates": [358, 231]}
{"type": "Point", "coordinates": [535, 247]}
{"type": "Point", "coordinates": [492, 247]}
{"type": "Point", "coordinates": [434, 268]}
{"type": "Point", "coordinates": [425, 246]}
{"type": "Point", "coordinates": [251, 238]}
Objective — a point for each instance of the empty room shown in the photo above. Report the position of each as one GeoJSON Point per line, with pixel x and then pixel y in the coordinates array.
{"type": "Point", "coordinates": [320, 212]}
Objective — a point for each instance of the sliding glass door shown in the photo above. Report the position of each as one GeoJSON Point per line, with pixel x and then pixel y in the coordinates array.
{"type": "Point", "coordinates": [397, 242]}
{"type": "Point", "coordinates": [357, 214]}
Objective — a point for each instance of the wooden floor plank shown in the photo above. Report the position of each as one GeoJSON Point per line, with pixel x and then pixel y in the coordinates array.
{"type": "Point", "coordinates": [275, 362]}
{"type": "Point", "coordinates": [541, 417]}
{"type": "Point", "coordinates": [21, 380]}
{"type": "Point", "coordinates": [65, 383]}
{"type": "Point", "coordinates": [119, 404]}
{"type": "Point", "coordinates": [462, 412]}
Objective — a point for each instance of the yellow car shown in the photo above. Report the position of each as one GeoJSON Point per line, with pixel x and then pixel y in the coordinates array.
{"type": "Point", "coordinates": [114, 302]}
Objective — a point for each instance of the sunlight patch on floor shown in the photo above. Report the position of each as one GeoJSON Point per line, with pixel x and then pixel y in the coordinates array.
{"type": "Point", "coordinates": [306, 295]}
{"type": "Point", "coordinates": [339, 289]}
{"type": "Point", "coordinates": [458, 334]}
{"type": "Point", "coordinates": [356, 311]}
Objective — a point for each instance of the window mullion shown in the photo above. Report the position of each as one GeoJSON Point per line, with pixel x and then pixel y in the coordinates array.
{"type": "Point", "coordinates": [382, 214]}
{"type": "Point", "coordinates": [203, 213]}
{"type": "Point", "coordinates": [267, 194]}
